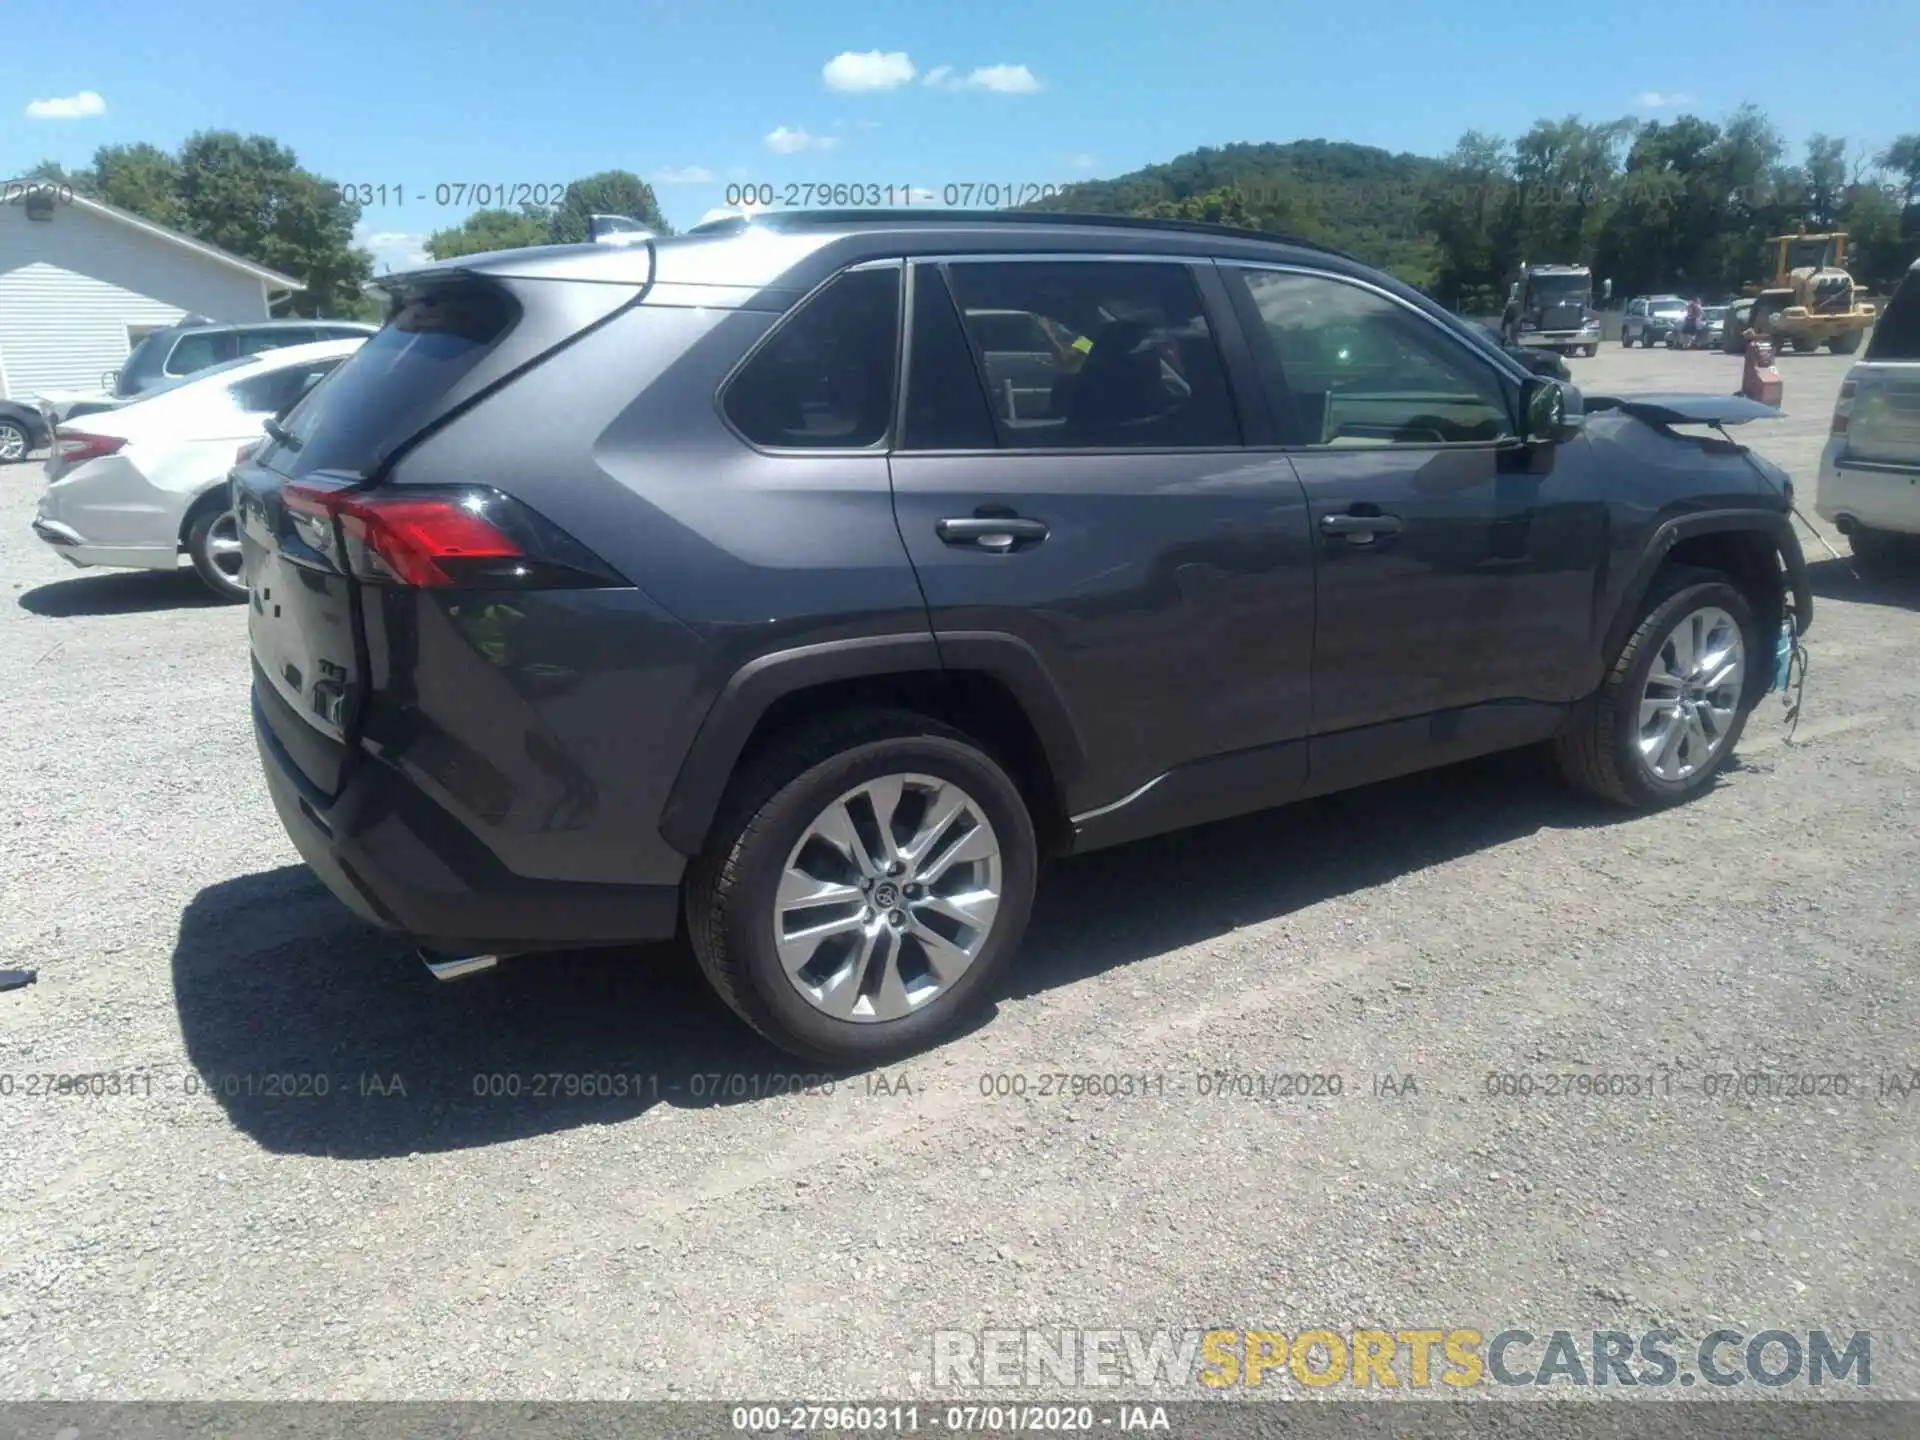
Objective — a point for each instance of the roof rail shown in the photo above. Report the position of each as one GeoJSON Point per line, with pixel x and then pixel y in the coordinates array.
{"type": "Point", "coordinates": [937, 216]}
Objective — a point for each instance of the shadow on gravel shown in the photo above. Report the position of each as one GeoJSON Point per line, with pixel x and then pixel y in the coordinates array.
{"type": "Point", "coordinates": [121, 592]}
{"type": "Point", "coordinates": [1832, 579]}
{"type": "Point", "coordinates": [273, 978]}
{"type": "Point", "coordinates": [1102, 910]}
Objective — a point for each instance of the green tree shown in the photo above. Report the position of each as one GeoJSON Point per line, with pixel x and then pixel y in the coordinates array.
{"type": "Point", "coordinates": [610, 192]}
{"type": "Point", "coordinates": [485, 230]}
{"type": "Point", "coordinates": [1462, 206]}
{"type": "Point", "coordinates": [1902, 157]}
{"type": "Point", "coordinates": [143, 179]}
{"type": "Point", "coordinates": [1826, 172]}
{"type": "Point", "coordinates": [52, 172]}
{"type": "Point", "coordinates": [248, 194]}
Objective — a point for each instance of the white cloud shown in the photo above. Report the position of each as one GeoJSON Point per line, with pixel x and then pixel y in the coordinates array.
{"type": "Point", "coordinates": [1661, 99]}
{"type": "Point", "coordinates": [1006, 79]}
{"type": "Point", "coordinates": [395, 249]}
{"type": "Point", "coordinates": [83, 106]}
{"type": "Point", "coordinates": [1082, 161]}
{"type": "Point", "coordinates": [868, 70]}
{"type": "Point", "coordinates": [684, 175]}
{"type": "Point", "coordinates": [791, 140]}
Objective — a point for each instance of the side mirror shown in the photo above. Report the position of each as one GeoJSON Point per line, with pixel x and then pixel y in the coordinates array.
{"type": "Point", "coordinates": [1553, 409]}
{"type": "Point", "coordinates": [1606, 289]}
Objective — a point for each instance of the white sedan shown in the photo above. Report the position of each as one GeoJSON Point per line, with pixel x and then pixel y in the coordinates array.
{"type": "Point", "coordinates": [144, 485]}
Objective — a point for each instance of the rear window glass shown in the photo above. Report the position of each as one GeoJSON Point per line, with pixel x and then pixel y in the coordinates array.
{"type": "Point", "coordinates": [392, 385]}
{"type": "Point", "coordinates": [1897, 334]}
{"type": "Point", "coordinates": [824, 379]}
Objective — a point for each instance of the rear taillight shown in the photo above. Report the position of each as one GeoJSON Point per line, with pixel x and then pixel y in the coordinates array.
{"type": "Point", "coordinates": [74, 446]}
{"type": "Point", "coordinates": [464, 538]}
{"type": "Point", "coordinates": [1843, 408]}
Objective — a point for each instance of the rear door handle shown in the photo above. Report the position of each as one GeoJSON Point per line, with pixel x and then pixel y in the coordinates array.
{"type": "Point", "coordinates": [998, 533]}
{"type": "Point", "coordinates": [1359, 526]}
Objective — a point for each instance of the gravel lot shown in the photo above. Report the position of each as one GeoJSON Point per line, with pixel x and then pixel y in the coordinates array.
{"type": "Point", "coordinates": [437, 1243]}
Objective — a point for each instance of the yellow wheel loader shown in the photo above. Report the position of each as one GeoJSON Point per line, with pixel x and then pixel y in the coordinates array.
{"type": "Point", "coordinates": [1810, 300]}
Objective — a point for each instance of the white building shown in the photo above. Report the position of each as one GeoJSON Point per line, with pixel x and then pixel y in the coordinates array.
{"type": "Point", "coordinates": [81, 283]}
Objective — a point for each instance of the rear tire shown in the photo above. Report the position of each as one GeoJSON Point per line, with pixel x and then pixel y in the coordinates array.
{"type": "Point", "coordinates": [772, 841]}
{"type": "Point", "coordinates": [213, 545]}
{"type": "Point", "coordinates": [1605, 750]}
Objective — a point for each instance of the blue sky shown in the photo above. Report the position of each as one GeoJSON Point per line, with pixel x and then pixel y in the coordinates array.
{"type": "Point", "coordinates": [695, 96]}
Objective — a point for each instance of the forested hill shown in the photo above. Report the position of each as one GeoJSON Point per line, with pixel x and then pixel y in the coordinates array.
{"type": "Point", "coordinates": [1353, 197]}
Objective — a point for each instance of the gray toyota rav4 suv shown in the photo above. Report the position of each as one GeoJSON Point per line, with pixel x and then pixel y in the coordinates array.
{"type": "Point", "coordinates": [748, 580]}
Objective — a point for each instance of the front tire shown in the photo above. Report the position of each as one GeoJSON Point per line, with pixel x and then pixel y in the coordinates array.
{"type": "Point", "coordinates": [1669, 713]}
{"type": "Point", "coordinates": [866, 882]}
{"type": "Point", "coordinates": [14, 442]}
{"type": "Point", "coordinates": [213, 545]}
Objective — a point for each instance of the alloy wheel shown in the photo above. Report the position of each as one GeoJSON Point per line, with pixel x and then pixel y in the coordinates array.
{"type": "Point", "coordinates": [13, 442]}
{"type": "Point", "coordinates": [223, 546]}
{"type": "Point", "coordinates": [1692, 694]}
{"type": "Point", "coordinates": [888, 897]}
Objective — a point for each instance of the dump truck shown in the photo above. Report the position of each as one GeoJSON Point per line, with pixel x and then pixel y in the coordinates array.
{"type": "Point", "coordinates": [1810, 300]}
{"type": "Point", "coordinates": [1550, 307]}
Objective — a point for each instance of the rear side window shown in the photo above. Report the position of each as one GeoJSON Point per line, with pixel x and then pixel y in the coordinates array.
{"type": "Point", "coordinates": [392, 385]}
{"type": "Point", "coordinates": [196, 352]}
{"type": "Point", "coordinates": [824, 378]}
{"type": "Point", "coordinates": [255, 342]}
{"type": "Point", "coordinates": [1113, 354]}
{"type": "Point", "coordinates": [1896, 336]}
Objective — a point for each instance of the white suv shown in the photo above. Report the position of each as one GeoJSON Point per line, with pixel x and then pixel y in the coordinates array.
{"type": "Point", "coordinates": [1870, 469]}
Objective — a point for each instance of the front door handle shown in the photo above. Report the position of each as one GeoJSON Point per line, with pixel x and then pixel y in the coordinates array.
{"type": "Point", "coordinates": [997, 533]}
{"type": "Point", "coordinates": [1359, 528]}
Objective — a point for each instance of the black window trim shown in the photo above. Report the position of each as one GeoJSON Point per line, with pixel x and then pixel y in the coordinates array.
{"type": "Point", "coordinates": [881, 447]}
{"type": "Point", "coordinates": [1221, 322]}
{"type": "Point", "coordinates": [1508, 372]}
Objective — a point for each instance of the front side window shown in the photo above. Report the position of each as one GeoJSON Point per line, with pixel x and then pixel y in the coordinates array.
{"type": "Point", "coordinates": [1353, 367]}
{"type": "Point", "coordinates": [1110, 354]}
{"type": "Point", "coordinates": [824, 378]}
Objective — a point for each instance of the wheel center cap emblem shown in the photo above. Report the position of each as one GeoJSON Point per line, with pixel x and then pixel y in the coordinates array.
{"type": "Point", "coordinates": [886, 895]}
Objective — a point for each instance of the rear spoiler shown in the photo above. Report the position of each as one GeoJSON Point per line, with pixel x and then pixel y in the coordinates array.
{"type": "Point", "coordinates": [1686, 409]}
{"type": "Point", "coordinates": [599, 263]}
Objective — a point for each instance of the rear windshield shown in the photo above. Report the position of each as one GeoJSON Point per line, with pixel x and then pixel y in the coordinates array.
{"type": "Point", "coordinates": [143, 361]}
{"type": "Point", "coordinates": [392, 385]}
{"type": "Point", "coordinates": [1897, 335]}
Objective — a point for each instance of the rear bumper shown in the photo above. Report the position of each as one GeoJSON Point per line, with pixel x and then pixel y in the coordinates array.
{"type": "Point", "coordinates": [72, 546]}
{"type": "Point", "coordinates": [399, 861]}
{"type": "Point", "coordinates": [1878, 494]}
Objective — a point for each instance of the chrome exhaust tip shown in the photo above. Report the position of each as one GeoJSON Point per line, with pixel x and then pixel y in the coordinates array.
{"type": "Point", "coordinates": [453, 967]}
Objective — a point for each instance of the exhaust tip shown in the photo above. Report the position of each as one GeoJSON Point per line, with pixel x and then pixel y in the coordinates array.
{"type": "Point", "coordinates": [453, 967]}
